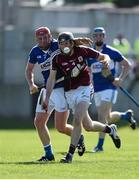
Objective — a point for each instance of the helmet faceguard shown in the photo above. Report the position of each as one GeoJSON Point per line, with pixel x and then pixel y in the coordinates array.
{"type": "Point", "coordinates": [98, 35]}
{"type": "Point", "coordinates": [65, 36]}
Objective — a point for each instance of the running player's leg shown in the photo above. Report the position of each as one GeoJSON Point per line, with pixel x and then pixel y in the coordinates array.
{"type": "Point", "coordinates": [61, 111]}
{"type": "Point", "coordinates": [40, 121]}
{"type": "Point", "coordinates": [61, 117]}
{"type": "Point", "coordinates": [76, 133]}
{"type": "Point", "coordinates": [103, 101]}
{"type": "Point", "coordinates": [61, 123]}
{"type": "Point", "coordinates": [95, 126]}
{"type": "Point", "coordinates": [81, 116]}
{"type": "Point", "coordinates": [103, 116]}
{"type": "Point", "coordinates": [127, 116]}
{"type": "Point", "coordinates": [110, 96]}
{"type": "Point", "coordinates": [79, 101]}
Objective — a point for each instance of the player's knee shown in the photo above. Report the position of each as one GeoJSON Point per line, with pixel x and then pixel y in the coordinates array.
{"type": "Point", "coordinates": [38, 122]}
{"type": "Point", "coordinates": [61, 130]}
{"type": "Point", "coordinates": [87, 128]}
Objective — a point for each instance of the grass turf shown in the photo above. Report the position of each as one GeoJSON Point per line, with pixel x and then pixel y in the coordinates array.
{"type": "Point", "coordinates": [20, 148]}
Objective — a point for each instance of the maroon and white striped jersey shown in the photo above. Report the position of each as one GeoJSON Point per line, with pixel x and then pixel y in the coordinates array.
{"type": "Point", "coordinates": [74, 67]}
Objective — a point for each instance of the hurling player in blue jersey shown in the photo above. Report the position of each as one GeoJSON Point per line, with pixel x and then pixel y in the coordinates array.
{"type": "Point", "coordinates": [105, 92]}
{"type": "Point", "coordinates": [42, 54]}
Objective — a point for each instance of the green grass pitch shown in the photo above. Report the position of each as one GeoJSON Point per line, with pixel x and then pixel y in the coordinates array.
{"type": "Point", "coordinates": [20, 148]}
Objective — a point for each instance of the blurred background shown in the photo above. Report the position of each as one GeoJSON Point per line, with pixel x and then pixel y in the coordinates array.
{"type": "Point", "coordinates": [19, 19]}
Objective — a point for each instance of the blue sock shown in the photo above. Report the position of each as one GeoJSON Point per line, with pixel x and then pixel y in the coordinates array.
{"type": "Point", "coordinates": [48, 151]}
{"type": "Point", "coordinates": [100, 143]}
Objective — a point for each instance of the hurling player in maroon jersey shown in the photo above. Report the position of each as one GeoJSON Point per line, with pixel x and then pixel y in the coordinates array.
{"type": "Point", "coordinates": [72, 65]}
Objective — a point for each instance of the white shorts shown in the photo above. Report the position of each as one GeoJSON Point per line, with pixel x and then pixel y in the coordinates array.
{"type": "Point", "coordinates": [57, 101]}
{"type": "Point", "coordinates": [75, 96]}
{"type": "Point", "coordinates": [109, 95]}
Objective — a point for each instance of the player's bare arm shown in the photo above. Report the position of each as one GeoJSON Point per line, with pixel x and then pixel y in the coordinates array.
{"type": "Point", "coordinates": [125, 64]}
{"type": "Point", "coordinates": [49, 86]}
{"type": "Point", "coordinates": [30, 78]}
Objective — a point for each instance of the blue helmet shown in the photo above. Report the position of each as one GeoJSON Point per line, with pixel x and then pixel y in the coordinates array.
{"type": "Point", "coordinates": [99, 30]}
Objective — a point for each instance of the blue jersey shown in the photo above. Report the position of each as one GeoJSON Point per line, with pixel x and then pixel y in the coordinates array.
{"type": "Point", "coordinates": [44, 58]}
{"type": "Point", "coordinates": [100, 82]}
